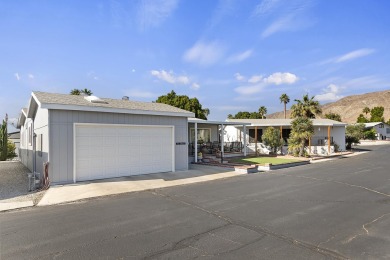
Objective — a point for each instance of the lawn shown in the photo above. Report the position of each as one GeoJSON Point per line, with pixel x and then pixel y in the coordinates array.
{"type": "Point", "coordinates": [263, 160]}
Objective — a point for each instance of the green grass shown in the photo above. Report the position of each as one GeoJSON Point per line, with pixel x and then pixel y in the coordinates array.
{"type": "Point", "coordinates": [263, 160]}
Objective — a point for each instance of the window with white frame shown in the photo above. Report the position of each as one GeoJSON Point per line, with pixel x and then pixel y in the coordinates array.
{"type": "Point", "coordinates": [30, 134]}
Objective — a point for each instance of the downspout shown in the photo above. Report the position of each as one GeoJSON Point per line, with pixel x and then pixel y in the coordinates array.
{"type": "Point", "coordinates": [196, 142]}
{"type": "Point", "coordinates": [222, 144]}
{"type": "Point", "coordinates": [244, 140]}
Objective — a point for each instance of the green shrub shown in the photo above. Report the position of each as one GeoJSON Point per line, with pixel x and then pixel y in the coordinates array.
{"type": "Point", "coordinates": [370, 134]}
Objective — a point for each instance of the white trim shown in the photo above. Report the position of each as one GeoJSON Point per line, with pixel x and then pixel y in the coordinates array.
{"type": "Point", "coordinates": [114, 110]}
{"type": "Point", "coordinates": [36, 99]}
{"type": "Point", "coordinates": [120, 125]}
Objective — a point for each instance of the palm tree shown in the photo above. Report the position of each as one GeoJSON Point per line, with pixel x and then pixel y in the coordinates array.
{"type": "Point", "coordinates": [284, 99]}
{"type": "Point", "coordinates": [262, 111]}
{"type": "Point", "coordinates": [366, 110]}
{"type": "Point", "coordinates": [307, 107]}
{"type": "Point", "coordinates": [86, 92]}
{"type": "Point", "coordinates": [301, 130]}
{"type": "Point", "coordinates": [75, 92]}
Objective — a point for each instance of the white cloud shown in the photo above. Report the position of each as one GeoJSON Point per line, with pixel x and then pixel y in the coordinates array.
{"type": "Point", "coordinates": [348, 56]}
{"type": "Point", "coordinates": [17, 76]}
{"type": "Point", "coordinates": [133, 70]}
{"type": "Point", "coordinates": [282, 24]}
{"type": "Point", "coordinates": [170, 77]}
{"type": "Point", "coordinates": [281, 78]}
{"type": "Point", "coordinates": [330, 93]}
{"type": "Point", "coordinates": [291, 16]}
{"type": "Point", "coordinates": [239, 57]}
{"type": "Point", "coordinates": [354, 55]}
{"type": "Point", "coordinates": [255, 78]}
{"type": "Point", "coordinates": [31, 76]}
{"type": "Point", "coordinates": [195, 86]}
{"type": "Point", "coordinates": [258, 82]}
{"type": "Point", "coordinates": [239, 77]}
{"type": "Point", "coordinates": [249, 90]}
{"type": "Point", "coordinates": [265, 7]}
{"type": "Point", "coordinates": [204, 54]}
{"type": "Point", "coordinates": [151, 13]}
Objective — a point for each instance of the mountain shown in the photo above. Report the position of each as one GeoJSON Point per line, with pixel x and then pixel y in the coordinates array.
{"type": "Point", "coordinates": [351, 106]}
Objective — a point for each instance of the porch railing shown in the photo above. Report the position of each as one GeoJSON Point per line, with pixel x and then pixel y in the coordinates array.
{"type": "Point", "coordinates": [213, 147]}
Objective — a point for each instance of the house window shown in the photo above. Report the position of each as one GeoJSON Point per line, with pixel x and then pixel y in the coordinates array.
{"type": "Point", "coordinates": [30, 134]}
{"type": "Point", "coordinates": [39, 145]}
{"type": "Point", "coordinates": [252, 135]}
{"type": "Point", "coordinates": [381, 126]}
{"type": "Point", "coordinates": [204, 135]}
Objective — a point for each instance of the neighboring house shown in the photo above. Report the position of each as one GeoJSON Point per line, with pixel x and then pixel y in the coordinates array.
{"type": "Point", "coordinates": [87, 138]}
{"type": "Point", "coordinates": [324, 130]}
{"type": "Point", "coordinates": [15, 138]}
{"type": "Point", "coordinates": [382, 129]}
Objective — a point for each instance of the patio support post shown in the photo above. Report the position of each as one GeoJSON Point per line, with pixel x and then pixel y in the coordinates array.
{"type": "Point", "coordinates": [244, 140]}
{"type": "Point", "coordinates": [310, 145]}
{"type": "Point", "coordinates": [222, 144]}
{"type": "Point", "coordinates": [328, 139]}
{"type": "Point", "coordinates": [256, 140]}
{"type": "Point", "coordinates": [196, 142]}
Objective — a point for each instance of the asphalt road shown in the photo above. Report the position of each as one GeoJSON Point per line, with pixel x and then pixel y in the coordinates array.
{"type": "Point", "coordinates": [337, 209]}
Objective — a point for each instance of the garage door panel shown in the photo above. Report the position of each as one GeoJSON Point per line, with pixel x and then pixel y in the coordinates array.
{"type": "Point", "coordinates": [104, 151]}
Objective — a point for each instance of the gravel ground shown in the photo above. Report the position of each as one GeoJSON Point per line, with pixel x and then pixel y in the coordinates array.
{"type": "Point", "coordinates": [14, 183]}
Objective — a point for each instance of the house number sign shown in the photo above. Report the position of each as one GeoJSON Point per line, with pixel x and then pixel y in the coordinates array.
{"type": "Point", "coordinates": [181, 143]}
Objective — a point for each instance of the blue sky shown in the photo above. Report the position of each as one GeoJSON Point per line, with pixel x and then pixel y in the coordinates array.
{"type": "Point", "coordinates": [232, 55]}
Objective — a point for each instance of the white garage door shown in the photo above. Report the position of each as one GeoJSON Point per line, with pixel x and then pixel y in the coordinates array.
{"type": "Point", "coordinates": [107, 151]}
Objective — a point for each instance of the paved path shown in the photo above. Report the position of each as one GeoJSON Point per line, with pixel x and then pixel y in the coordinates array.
{"type": "Point", "coordinates": [338, 209]}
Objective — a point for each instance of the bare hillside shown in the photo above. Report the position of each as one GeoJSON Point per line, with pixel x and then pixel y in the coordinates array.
{"type": "Point", "coordinates": [350, 107]}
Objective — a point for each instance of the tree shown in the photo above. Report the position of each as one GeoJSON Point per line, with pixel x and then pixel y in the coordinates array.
{"type": "Point", "coordinates": [262, 111]}
{"type": "Point", "coordinates": [370, 134]}
{"type": "Point", "coordinates": [362, 119]}
{"type": "Point", "coordinates": [4, 140]}
{"type": "Point", "coordinates": [271, 137]}
{"type": "Point", "coordinates": [184, 102]}
{"type": "Point", "coordinates": [245, 115]}
{"type": "Point", "coordinates": [366, 110]}
{"type": "Point", "coordinates": [307, 107]}
{"type": "Point", "coordinates": [11, 150]}
{"type": "Point", "coordinates": [86, 92]}
{"type": "Point", "coordinates": [78, 92]}
{"type": "Point", "coordinates": [353, 133]}
{"type": "Point", "coordinates": [388, 122]}
{"type": "Point", "coordinates": [377, 114]}
{"type": "Point", "coordinates": [75, 92]}
{"type": "Point", "coordinates": [333, 116]}
{"type": "Point", "coordinates": [284, 99]}
{"type": "Point", "coordinates": [301, 130]}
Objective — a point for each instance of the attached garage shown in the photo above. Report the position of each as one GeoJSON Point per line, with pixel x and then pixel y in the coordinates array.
{"type": "Point", "coordinates": [108, 151]}
{"type": "Point", "coordinates": [89, 138]}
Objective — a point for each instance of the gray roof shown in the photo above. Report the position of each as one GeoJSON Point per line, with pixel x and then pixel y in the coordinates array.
{"type": "Point", "coordinates": [286, 122]}
{"type": "Point", "coordinates": [202, 121]}
{"type": "Point", "coordinates": [373, 124]}
{"type": "Point", "coordinates": [67, 101]}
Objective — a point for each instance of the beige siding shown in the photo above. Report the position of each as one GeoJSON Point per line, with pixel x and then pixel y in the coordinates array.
{"type": "Point", "coordinates": [61, 136]}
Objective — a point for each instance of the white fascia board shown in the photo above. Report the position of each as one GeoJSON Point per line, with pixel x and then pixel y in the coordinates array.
{"type": "Point", "coordinates": [35, 100]}
{"type": "Point", "coordinates": [215, 122]}
{"type": "Point", "coordinates": [114, 110]}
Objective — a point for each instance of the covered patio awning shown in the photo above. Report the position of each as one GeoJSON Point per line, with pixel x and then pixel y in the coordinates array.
{"type": "Point", "coordinates": [197, 121]}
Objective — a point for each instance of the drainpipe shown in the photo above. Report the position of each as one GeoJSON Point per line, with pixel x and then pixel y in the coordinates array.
{"type": "Point", "coordinates": [222, 145]}
{"type": "Point", "coordinates": [196, 142]}
{"type": "Point", "coordinates": [245, 140]}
